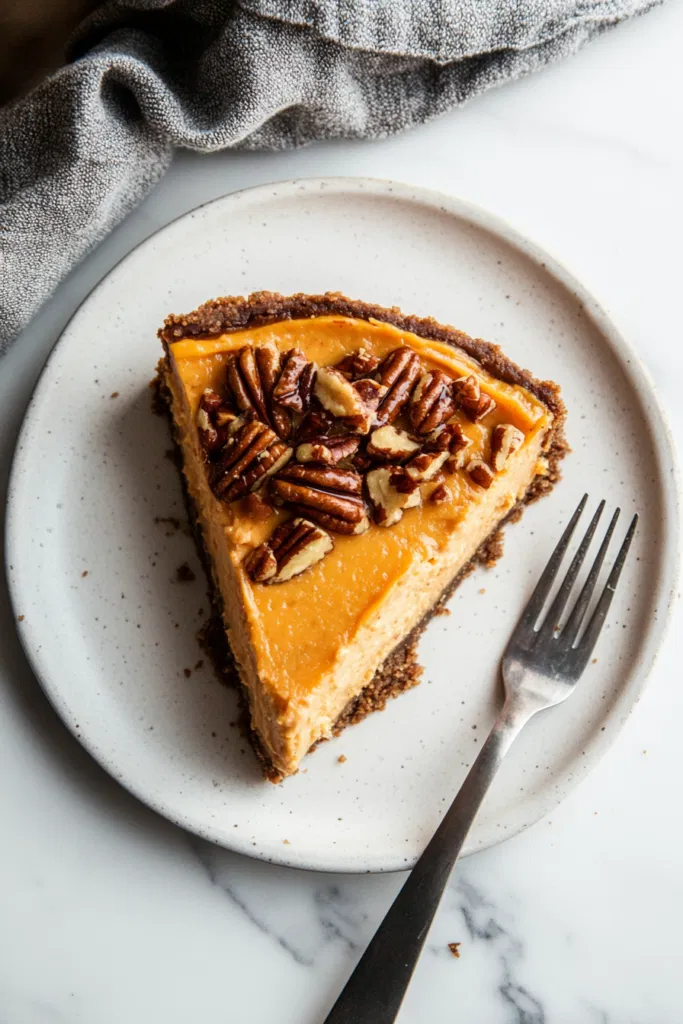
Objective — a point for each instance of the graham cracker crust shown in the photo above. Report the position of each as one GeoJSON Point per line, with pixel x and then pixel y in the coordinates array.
{"type": "Point", "coordinates": [401, 669]}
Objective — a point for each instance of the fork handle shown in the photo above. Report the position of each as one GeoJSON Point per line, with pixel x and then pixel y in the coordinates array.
{"type": "Point", "coordinates": [375, 990]}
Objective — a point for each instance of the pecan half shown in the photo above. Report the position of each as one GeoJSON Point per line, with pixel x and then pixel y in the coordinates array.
{"type": "Point", "coordinates": [391, 491]}
{"type": "Point", "coordinates": [330, 496]}
{"type": "Point", "coordinates": [432, 402]}
{"type": "Point", "coordinates": [505, 439]}
{"type": "Point", "coordinates": [269, 363]}
{"type": "Point", "coordinates": [260, 564]}
{"type": "Point", "coordinates": [389, 444]}
{"type": "Point", "coordinates": [398, 374]}
{"type": "Point", "coordinates": [253, 453]}
{"type": "Point", "coordinates": [295, 545]}
{"type": "Point", "coordinates": [468, 394]}
{"type": "Point", "coordinates": [327, 450]}
{"type": "Point", "coordinates": [358, 364]}
{"type": "Point", "coordinates": [295, 386]}
{"type": "Point", "coordinates": [245, 384]}
{"type": "Point", "coordinates": [480, 472]}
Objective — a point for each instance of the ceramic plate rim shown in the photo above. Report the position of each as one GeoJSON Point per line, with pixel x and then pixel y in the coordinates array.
{"type": "Point", "coordinates": [637, 375]}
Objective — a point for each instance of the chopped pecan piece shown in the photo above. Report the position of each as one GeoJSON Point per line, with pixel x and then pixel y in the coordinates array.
{"type": "Point", "coordinates": [257, 508]}
{"type": "Point", "coordinates": [295, 386]}
{"type": "Point", "coordinates": [371, 391]}
{"type": "Point", "coordinates": [358, 364]}
{"type": "Point", "coordinates": [451, 439]}
{"type": "Point", "coordinates": [398, 374]}
{"type": "Point", "coordinates": [480, 472]}
{"type": "Point", "coordinates": [468, 394]}
{"type": "Point", "coordinates": [209, 404]}
{"type": "Point", "coordinates": [342, 399]}
{"type": "Point", "coordinates": [214, 420]}
{"type": "Point", "coordinates": [330, 496]}
{"type": "Point", "coordinates": [316, 423]}
{"type": "Point", "coordinates": [505, 439]}
{"type": "Point", "coordinates": [253, 453]}
{"type": "Point", "coordinates": [295, 545]}
{"type": "Point", "coordinates": [448, 437]}
{"type": "Point", "coordinates": [391, 491]}
{"type": "Point", "coordinates": [389, 444]}
{"type": "Point", "coordinates": [210, 401]}
{"type": "Point", "coordinates": [426, 465]}
{"type": "Point", "coordinates": [432, 402]}
{"type": "Point", "coordinates": [361, 461]}
{"type": "Point", "coordinates": [328, 450]}
{"type": "Point", "coordinates": [440, 494]}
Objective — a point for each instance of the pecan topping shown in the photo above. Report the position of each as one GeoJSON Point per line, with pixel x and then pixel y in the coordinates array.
{"type": "Point", "coordinates": [389, 444]}
{"type": "Point", "coordinates": [316, 423]}
{"type": "Point", "coordinates": [480, 472]}
{"type": "Point", "coordinates": [391, 491]}
{"type": "Point", "coordinates": [440, 494]}
{"type": "Point", "coordinates": [295, 386]}
{"type": "Point", "coordinates": [343, 399]}
{"type": "Point", "coordinates": [330, 496]}
{"type": "Point", "coordinates": [258, 508]}
{"type": "Point", "coordinates": [269, 362]}
{"type": "Point", "coordinates": [294, 546]}
{"type": "Point", "coordinates": [328, 450]}
{"type": "Point", "coordinates": [398, 374]}
{"type": "Point", "coordinates": [245, 383]}
{"type": "Point", "coordinates": [505, 439]}
{"type": "Point", "coordinates": [468, 394]}
{"type": "Point", "coordinates": [209, 404]}
{"type": "Point", "coordinates": [451, 439]}
{"type": "Point", "coordinates": [426, 465]}
{"type": "Point", "coordinates": [261, 564]}
{"type": "Point", "coordinates": [432, 402]}
{"type": "Point", "coordinates": [252, 453]}
{"type": "Point", "coordinates": [358, 364]}
{"type": "Point", "coordinates": [371, 391]}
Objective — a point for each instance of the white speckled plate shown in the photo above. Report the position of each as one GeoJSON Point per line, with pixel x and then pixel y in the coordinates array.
{"type": "Point", "coordinates": [92, 551]}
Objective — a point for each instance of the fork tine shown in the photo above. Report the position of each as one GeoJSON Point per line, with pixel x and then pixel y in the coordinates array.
{"type": "Point", "coordinates": [557, 607]}
{"type": "Point", "coordinates": [537, 600]}
{"type": "Point", "coordinates": [589, 638]}
{"type": "Point", "coordinates": [573, 625]}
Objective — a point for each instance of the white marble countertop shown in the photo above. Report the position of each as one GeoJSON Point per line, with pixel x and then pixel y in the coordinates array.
{"type": "Point", "coordinates": [110, 915]}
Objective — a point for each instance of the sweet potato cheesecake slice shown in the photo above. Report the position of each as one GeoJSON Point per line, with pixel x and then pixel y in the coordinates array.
{"type": "Point", "coordinates": [345, 466]}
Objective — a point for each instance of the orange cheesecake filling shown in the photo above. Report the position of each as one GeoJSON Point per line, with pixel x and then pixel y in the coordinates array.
{"type": "Point", "coordinates": [299, 630]}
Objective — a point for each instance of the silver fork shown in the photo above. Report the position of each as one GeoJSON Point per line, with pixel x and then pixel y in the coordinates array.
{"type": "Point", "coordinates": [541, 664]}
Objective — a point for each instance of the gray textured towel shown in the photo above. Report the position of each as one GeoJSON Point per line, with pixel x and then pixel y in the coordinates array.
{"type": "Point", "coordinates": [146, 76]}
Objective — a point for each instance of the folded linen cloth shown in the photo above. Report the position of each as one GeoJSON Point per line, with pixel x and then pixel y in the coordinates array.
{"type": "Point", "coordinates": [146, 76]}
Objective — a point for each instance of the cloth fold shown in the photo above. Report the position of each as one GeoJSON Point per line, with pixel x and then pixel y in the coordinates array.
{"type": "Point", "coordinates": [148, 76]}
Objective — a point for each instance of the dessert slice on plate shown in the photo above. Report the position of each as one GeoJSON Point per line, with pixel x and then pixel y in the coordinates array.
{"type": "Point", "coordinates": [345, 467]}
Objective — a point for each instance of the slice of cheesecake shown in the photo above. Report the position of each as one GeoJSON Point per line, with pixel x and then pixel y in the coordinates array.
{"type": "Point", "coordinates": [345, 466]}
